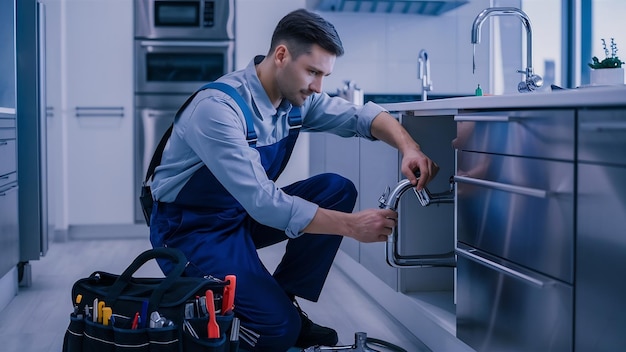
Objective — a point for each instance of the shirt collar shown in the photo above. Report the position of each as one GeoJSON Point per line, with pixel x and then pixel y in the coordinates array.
{"type": "Point", "coordinates": [261, 101]}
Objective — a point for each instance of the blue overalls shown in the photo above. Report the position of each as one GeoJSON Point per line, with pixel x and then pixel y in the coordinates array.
{"type": "Point", "coordinates": [219, 238]}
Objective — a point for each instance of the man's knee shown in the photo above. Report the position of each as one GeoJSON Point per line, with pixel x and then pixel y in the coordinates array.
{"type": "Point", "coordinates": [340, 192]}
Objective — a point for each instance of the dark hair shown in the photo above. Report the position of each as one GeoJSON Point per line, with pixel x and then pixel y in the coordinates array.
{"type": "Point", "coordinates": [301, 28]}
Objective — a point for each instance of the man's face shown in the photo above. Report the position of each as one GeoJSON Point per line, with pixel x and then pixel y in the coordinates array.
{"type": "Point", "coordinates": [299, 78]}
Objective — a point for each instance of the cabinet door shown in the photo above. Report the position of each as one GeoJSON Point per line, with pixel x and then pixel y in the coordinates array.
{"type": "Point", "coordinates": [99, 82]}
{"type": "Point", "coordinates": [378, 170]}
{"type": "Point", "coordinates": [9, 234]}
{"type": "Point", "coordinates": [601, 239]}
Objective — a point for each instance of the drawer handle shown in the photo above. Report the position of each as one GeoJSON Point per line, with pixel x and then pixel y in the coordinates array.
{"type": "Point", "coordinates": [3, 143]}
{"type": "Point", "coordinates": [8, 190]}
{"type": "Point", "coordinates": [99, 111]}
{"type": "Point", "coordinates": [486, 118]}
{"type": "Point", "coordinates": [533, 192]}
{"type": "Point", "coordinates": [617, 126]}
{"type": "Point", "coordinates": [500, 268]}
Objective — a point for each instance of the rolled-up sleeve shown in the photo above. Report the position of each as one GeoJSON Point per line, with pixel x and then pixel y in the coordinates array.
{"type": "Point", "coordinates": [340, 117]}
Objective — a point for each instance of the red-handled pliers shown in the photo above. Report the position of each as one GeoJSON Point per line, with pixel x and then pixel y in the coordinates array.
{"type": "Point", "coordinates": [228, 298]}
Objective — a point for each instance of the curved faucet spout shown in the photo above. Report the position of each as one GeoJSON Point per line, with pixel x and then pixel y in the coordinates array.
{"type": "Point", "coordinates": [532, 80]}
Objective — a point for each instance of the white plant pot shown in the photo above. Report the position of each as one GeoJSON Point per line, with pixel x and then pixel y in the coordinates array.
{"type": "Point", "coordinates": [607, 76]}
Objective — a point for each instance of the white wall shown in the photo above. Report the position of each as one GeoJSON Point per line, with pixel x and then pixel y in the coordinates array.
{"type": "Point", "coordinates": [381, 49]}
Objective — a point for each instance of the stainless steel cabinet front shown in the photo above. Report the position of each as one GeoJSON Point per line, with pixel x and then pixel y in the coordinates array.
{"type": "Point", "coordinates": [602, 136]}
{"type": "Point", "coordinates": [513, 309]}
{"type": "Point", "coordinates": [601, 258]}
{"type": "Point", "coordinates": [520, 209]}
{"type": "Point", "coordinates": [534, 133]}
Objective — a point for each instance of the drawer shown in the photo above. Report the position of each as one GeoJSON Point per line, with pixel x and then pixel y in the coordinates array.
{"type": "Point", "coordinates": [504, 307]}
{"type": "Point", "coordinates": [520, 209]}
{"type": "Point", "coordinates": [8, 178]}
{"type": "Point", "coordinates": [8, 156]}
{"type": "Point", "coordinates": [534, 133]}
{"type": "Point", "coordinates": [7, 129]}
{"type": "Point", "coordinates": [602, 136]}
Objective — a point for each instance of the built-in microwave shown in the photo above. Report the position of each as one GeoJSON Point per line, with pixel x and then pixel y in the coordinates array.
{"type": "Point", "coordinates": [185, 19]}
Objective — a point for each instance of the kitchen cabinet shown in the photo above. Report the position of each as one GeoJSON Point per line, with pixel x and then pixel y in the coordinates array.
{"type": "Point", "coordinates": [515, 229]}
{"type": "Point", "coordinates": [601, 224]}
{"type": "Point", "coordinates": [9, 222]}
{"type": "Point", "coordinates": [95, 113]}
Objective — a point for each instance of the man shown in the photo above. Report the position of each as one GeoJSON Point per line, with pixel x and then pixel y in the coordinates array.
{"type": "Point", "coordinates": [216, 199]}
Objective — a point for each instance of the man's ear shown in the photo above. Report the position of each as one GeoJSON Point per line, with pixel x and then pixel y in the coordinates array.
{"type": "Point", "coordinates": [281, 55]}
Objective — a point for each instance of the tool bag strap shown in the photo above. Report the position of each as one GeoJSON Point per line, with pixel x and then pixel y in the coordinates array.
{"type": "Point", "coordinates": [251, 135]}
{"type": "Point", "coordinates": [175, 255]}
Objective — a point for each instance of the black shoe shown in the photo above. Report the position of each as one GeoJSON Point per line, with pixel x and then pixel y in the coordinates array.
{"type": "Point", "coordinates": [312, 334]}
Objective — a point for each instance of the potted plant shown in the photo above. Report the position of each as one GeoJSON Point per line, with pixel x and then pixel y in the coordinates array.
{"type": "Point", "coordinates": [609, 71]}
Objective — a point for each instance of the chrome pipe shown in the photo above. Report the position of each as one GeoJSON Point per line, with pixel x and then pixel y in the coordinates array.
{"type": "Point", "coordinates": [390, 200]}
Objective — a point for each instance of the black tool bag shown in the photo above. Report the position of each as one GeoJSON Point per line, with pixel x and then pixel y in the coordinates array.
{"type": "Point", "coordinates": [148, 314]}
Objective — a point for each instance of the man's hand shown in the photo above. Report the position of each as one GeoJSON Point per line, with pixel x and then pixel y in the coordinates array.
{"type": "Point", "coordinates": [373, 225]}
{"type": "Point", "coordinates": [370, 225]}
{"type": "Point", "coordinates": [414, 160]}
{"type": "Point", "coordinates": [389, 130]}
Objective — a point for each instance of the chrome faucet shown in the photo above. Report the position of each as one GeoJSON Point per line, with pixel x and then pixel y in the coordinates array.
{"type": "Point", "coordinates": [423, 73]}
{"type": "Point", "coordinates": [532, 81]}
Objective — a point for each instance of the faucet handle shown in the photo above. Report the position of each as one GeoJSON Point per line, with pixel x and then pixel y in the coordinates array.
{"type": "Point", "coordinates": [530, 83]}
{"type": "Point", "coordinates": [383, 201]}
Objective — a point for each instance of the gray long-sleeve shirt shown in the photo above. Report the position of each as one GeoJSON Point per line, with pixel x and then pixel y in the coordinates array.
{"type": "Point", "coordinates": [211, 131]}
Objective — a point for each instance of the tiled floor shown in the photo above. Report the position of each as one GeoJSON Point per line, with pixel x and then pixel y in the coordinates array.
{"type": "Point", "coordinates": [37, 317]}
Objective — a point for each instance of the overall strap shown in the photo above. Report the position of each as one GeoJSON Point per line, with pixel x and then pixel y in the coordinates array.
{"type": "Point", "coordinates": [295, 118]}
{"type": "Point", "coordinates": [251, 136]}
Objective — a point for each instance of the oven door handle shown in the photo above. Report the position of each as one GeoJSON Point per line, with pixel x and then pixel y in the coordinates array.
{"type": "Point", "coordinates": [185, 44]}
{"type": "Point", "coordinates": [533, 192]}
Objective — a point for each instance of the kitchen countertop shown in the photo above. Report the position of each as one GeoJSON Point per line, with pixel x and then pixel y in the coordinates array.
{"type": "Point", "coordinates": [579, 97]}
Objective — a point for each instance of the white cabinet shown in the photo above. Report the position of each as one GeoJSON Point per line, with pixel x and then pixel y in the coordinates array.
{"type": "Point", "coordinates": [90, 90]}
{"type": "Point", "coordinates": [378, 169]}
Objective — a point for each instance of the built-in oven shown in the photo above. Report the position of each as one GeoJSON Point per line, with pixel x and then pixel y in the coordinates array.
{"type": "Point", "coordinates": [184, 19]}
{"type": "Point", "coordinates": [177, 66]}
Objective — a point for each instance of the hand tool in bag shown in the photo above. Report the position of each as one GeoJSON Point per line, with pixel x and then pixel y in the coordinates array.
{"type": "Point", "coordinates": [79, 298]}
{"type": "Point", "coordinates": [107, 313]}
{"type": "Point", "coordinates": [94, 311]}
{"type": "Point", "coordinates": [360, 345]}
{"type": "Point", "coordinates": [135, 323]}
{"type": "Point", "coordinates": [228, 298]}
{"type": "Point", "coordinates": [143, 314]}
{"type": "Point", "coordinates": [212, 328]}
{"type": "Point", "coordinates": [101, 305]}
